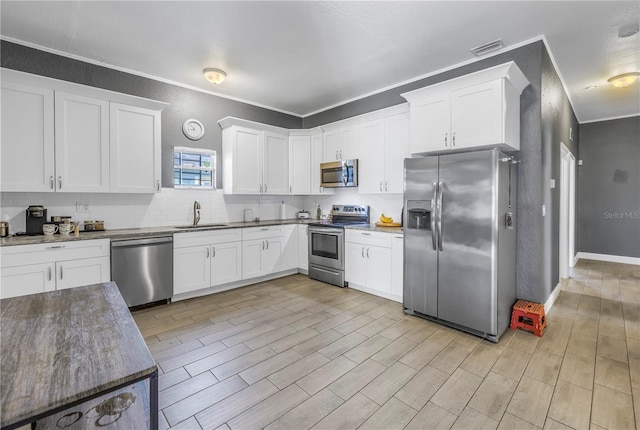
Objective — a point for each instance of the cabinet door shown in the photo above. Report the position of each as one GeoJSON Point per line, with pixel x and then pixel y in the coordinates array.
{"type": "Point", "coordinates": [247, 157]}
{"type": "Point", "coordinates": [82, 143]}
{"type": "Point", "coordinates": [26, 148]}
{"type": "Point", "coordinates": [430, 124]}
{"type": "Point", "coordinates": [289, 259]}
{"type": "Point", "coordinates": [272, 256]}
{"type": "Point", "coordinates": [303, 247]}
{"type": "Point", "coordinates": [477, 116]}
{"type": "Point", "coordinates": [355, 263]}
{"type": "Point", "coordinates": [226, 263]}
{"type": "Point", "coordinates": [300, 165]}
{"type": "Point", "coordinates": [135, 149]}
{"type": "Point", "coordinates": [331, 146]}
{"type": "Point", "coordinates": [25, 280]}
{"type": "Point", "coordinates": [396, 150]}
{"type": "Point", "coordinates": [252, 258]}
{"type": "Point", "coordinates": [76, 273]}
{"type": "Point", "coordinates": [397, 262]}
{"type": "Point", "coordinates": [378, 268]}
{"type": "Point", "coordinates": [191, 269]}
{"type": "Point", "coordinates": [371, 163]}
{"type": "Point", "coordinates": [349, 138]}
{"type": "Point", "coordinates": [276, 164]}
{"type": "Point", "coordinates": [316, 159]}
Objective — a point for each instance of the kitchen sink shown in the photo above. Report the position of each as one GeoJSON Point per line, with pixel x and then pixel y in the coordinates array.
{"type": "Point", "coordinates": [195, 227]}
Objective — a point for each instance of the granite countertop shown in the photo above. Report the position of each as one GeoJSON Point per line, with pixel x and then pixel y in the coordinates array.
{"type": "Point", "coordinates": [373, 227]}
{"type": "Point", "coordinates": [135, 233]}
{"type": "Point", "coordinates": [63, 346]}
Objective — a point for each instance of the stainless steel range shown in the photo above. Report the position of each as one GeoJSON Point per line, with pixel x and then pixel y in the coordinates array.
{"type": "Point", "coordinates": [326, 243]}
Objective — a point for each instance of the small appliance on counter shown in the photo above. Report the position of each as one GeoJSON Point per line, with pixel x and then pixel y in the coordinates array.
{"type": "Point", "coordinates": [248, 215]}
{"type": "Point", "coordinates": [4, 228]}
{"type": "Point", "coordinates": [36, 218]}
{"type": "Point", "coordinates": [303, 215]}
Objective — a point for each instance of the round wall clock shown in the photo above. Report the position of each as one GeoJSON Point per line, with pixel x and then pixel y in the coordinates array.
{"type": "Point", "coordinates": [193, 129]}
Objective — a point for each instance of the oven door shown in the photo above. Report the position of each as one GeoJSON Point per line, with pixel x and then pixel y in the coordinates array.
{"type": "Point", "coordinates": [326, 247]}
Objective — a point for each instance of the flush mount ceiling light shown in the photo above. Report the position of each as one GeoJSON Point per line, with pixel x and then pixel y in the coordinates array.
{"type": "Point", "coordinates": [215, 76]}
{"type": "Point", "coordinates": [624, 80]}
{"type": "Point", "coordinates": [628, 30]}
{"type": "Point", "coordinates": [487, 47]}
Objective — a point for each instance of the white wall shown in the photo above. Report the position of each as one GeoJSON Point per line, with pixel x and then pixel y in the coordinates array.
{"type": "Point", "coordinates": [175, 207]}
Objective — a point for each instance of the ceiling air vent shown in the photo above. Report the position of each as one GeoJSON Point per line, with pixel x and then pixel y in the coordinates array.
{"type": "Point", "coordinates": [481, 50]}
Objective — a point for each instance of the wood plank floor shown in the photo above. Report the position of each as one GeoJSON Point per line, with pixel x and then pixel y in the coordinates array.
{"type": "Point", "coordinates": [294, 353]}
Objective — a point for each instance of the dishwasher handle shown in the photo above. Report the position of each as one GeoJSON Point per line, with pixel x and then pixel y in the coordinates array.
{"type": "Point", "coordinates": [139, 242]}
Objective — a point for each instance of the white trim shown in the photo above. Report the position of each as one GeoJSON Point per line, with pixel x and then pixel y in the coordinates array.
{"type": "Point", "coordinates": [552, 298]}
{"type": "Point", "coordinates": [633, 115]}
{"type": "Point", "coordinates": [141, 74]}
{"type": "Point", "coordinates": [575, 260]}
{"type": "Point", "coordinates": [610, 258]}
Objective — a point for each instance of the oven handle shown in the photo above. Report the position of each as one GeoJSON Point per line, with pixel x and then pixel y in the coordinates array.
{"type": "Point", "coordinates": [328, 231]}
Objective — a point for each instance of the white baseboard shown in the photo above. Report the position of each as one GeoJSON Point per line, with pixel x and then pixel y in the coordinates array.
{"type": "Point", "coordinates": [552, 298]}
{"type": "Point", "coordinates": [378, 293]}
{"type": "Point", "coordinates": [609, 258]}
{"type": "Point", "coordinates": [575, 260]}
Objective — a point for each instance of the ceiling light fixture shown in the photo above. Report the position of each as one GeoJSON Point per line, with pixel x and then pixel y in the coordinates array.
{"type": "Point", "coordinates": [628, 30]}
{"type": "Point", "coordinates": [487, 47]}
{"type": "Point", "coordinates": [624, 80]}
{"type": "Point", "coordinates": [215, 76]}
{"type": "Point", "coordinates": [590, 87]}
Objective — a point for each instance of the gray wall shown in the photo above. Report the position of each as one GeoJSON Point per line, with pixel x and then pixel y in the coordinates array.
{"type": "Point", "coordinates": [541, 129]}
{"type": "Point", "coordinates": [609, 188]}
{"type": "Point", "coordinates": [557, 118]}
{"type": "Point", "coordinates": [183, 103]}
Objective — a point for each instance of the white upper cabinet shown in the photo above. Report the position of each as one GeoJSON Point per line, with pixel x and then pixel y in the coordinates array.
{"type": "Point", "coordinates": [65, 137]}
{"type": "Point", "coordinates": [317, 157]}
{"type": "Point", "coordinates": [134, 149]}
{"type": "Point", "coordinates": [475, 111]}
{"type": "Point", "coordinates": [255, 159]}
{"type": "Point", "coordinates": [384, 144]}
{"type": "Point", "coordinates": [82, 143]}
{"type": "Point", "coordinates": [27, 145]}
{"type": "Point", "coordinates": [341, 144]}
{"type": "Point", "coordinates": [300, 165]}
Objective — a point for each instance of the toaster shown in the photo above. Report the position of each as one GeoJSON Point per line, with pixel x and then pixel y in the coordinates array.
{"type": "Point", "coordinates": [303, 215]}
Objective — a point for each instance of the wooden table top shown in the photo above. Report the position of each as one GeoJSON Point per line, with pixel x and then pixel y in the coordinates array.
{"type": "Point", "coordinates": [62, 346]}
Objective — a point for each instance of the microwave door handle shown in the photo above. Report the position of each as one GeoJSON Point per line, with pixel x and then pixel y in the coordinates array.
{"type": "Point", "coordinates": [345, 173]}
{"type": "Point", "coordinates": [433, 216]}
{"type": "Point", "coordinates": [441, 190]}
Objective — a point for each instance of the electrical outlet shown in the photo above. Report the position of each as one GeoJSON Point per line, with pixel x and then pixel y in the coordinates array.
{"type": "Point", "coordinates": [553, 183]}
{"type": "Point", "coordinates": [571, 134]}
{"type": "Point", "coordinates": [82, 207]}
{"type": "Point", "coordinates": [544, 210]}
{"type": "Point", "coordinates": [579, 162]}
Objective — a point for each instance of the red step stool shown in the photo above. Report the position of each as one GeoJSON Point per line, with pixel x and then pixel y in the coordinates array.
{"type": "Point", "coordinates": [528, 316]}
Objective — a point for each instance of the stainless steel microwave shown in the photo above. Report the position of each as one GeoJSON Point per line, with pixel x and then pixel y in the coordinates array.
{"type": "Point", "coordinates": [337, 174]}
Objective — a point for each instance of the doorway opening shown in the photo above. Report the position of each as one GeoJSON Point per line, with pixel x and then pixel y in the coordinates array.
{"type": "Point", "coordinates": [567, 210]}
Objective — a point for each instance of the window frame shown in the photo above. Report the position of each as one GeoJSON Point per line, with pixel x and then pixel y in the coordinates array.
{"type": "Point", "coordinates": [195, 151]}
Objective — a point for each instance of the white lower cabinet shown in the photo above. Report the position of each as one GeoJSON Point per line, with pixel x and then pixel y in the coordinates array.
{"type": "Point", "coordinates": [369, 263]}
{"type": "Point", "coordinates": [30, 269]}
{"type": "Point", "coordinates": [262, 251]}
{"type": "Point", "coordinates": [289, 259]}
{"type": "Point", "coordinates": [303, 248]}
{"type": "Point", "coordinates": [397, 265]}
{"type": "Point", "coordinates": [206, 259]}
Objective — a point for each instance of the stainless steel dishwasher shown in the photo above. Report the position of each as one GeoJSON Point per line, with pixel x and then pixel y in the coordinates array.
{"type": "Point", "coordinates": [143, 269]}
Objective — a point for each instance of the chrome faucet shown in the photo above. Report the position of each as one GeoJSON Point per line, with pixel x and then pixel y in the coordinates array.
{"type": "Point", "coordinates": [196, 212]}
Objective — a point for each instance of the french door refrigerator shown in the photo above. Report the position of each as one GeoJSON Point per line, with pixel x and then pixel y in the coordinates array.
{"type": "Point", "coordinates": [459, 240]}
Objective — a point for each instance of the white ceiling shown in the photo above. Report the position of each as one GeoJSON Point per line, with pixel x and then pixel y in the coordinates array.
{"type": "Point", "coordinates": [302, 57]}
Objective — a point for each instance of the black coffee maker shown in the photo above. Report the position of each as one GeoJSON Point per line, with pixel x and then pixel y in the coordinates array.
{"type": "Point", "coordinates": [36, 218]}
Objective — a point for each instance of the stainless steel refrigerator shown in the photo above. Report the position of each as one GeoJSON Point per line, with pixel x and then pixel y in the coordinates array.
{"type": "Point", "coordinates": [460, 240]}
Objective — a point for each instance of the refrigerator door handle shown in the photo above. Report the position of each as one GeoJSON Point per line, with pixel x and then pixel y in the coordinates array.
{"type": "Point", "coordinates": [433, 216]}
{"type": "Point", "coordinates": [440, 191]}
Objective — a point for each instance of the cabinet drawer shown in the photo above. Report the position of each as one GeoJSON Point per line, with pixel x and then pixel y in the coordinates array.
{"type": "Point", "coordinates": [368, 238]}
{"type": "Point", "coordinates": [21, 255]}
{"type": "Point", "coordinates": [199, 238]}
{"type": "Point", "coordinates": [253, 233]}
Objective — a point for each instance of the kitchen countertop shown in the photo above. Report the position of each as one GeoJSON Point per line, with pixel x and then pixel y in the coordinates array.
{"type": "Point", "coordinates": [136, 233]}
{"type": "Point", "coordinates": [373, 227]}
{"type": "Point", "coordinates": [64, 346]}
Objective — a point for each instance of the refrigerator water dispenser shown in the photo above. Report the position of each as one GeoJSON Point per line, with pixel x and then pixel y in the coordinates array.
{"type": "Point", "coordinates": [419, 214]}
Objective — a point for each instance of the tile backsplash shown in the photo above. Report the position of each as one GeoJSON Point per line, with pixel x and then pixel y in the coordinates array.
{"type": "Point", "coordinates": [175, 207]}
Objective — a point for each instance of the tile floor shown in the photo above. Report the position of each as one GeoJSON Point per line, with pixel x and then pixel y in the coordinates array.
{"type": "Point", "coordinates": [293, 353]}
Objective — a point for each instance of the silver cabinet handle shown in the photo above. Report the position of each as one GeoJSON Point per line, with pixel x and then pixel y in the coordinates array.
{"type": "Point", "coordinates": [260, 188]}
{"type": "Point", "coordinates": [433, 216]}
{"type": "Point", "coordinates": [158, 185]}
{"type": "Point", "coordinates": [336, 155]}
{"type": "Point", "coordinates": [49, 272]}
{"type": "Point", "coordinates": [341, 154]}
{"type": "Point", "coordinates": [363, 252]}
{"type": "Point", "coordinates": [207, 252]}
{"type": "Point", "coordinates": [386, 185]}
{"type": "Point", "coordinates": [55, 247]}
{"type": "Point", "coordinates": [265, 188]}
{"type": "Point", "coordinates": [263, 245]}
{"type": "Point", "coordinates": [264, 229]}
{"type": "Point", "coordinates": [367, 252]}
{"type": "Point", "coordinates": [214, 251]}
{"type": "Point", "coordinates": [290, 192]}
{"type": "Point", "coordinates": [51, 182]}
{"type": "Point", "coordinates": [267, 244]}
{"type": "Point", "coordinates": [441, 190]}
{"type": "Point", "coordinates": [59, 182]}
{"type": "Point", "coordinates": [60, 272]}
{"type": "Point", "coordinates": [380, 185]}
{"type": "Point", "coordinates": [366, 234]}
{"type": "Point", "coordinates": [453, 139]}
{"type": "Point", "coordinates": [445, 138]}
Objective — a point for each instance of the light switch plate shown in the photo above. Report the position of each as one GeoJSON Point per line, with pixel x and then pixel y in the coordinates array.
{"type": "Point", "coordinates": [553, 183]}
{"type": "Point", "coordinates": [82, 207]}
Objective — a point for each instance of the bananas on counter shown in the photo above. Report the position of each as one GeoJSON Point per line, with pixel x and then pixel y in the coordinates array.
{"type": "Point", "coordinates": [385, 219]}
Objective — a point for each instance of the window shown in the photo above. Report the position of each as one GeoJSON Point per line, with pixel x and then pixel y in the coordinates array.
{"type": "Point", "coordinates": [194, 168]}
